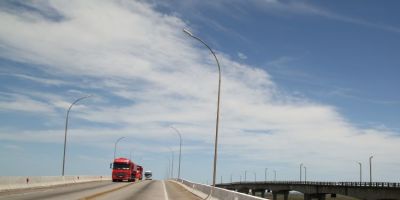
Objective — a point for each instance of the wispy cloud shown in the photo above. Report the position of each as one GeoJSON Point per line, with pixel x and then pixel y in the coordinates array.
{"type": "Point", "coordinates": [305, 8]}
{"type": "Point", "coordinates": [44, 81]}
{"type": "Point", "coordinates": [17, 102]}
{"type": "Point", "coordinates": [242, 56]}
{"type": "Point", "coordinates": [12, 147]}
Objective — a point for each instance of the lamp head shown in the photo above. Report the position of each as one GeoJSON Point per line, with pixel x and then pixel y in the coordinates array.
{"type": "Point", "coordinates": [187, 32]}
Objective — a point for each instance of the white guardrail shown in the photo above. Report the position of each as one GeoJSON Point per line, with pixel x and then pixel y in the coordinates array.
{"type": "Point", "coordinates": [203, 191]}
{"type": "Point", "coordinates": [24, 182]}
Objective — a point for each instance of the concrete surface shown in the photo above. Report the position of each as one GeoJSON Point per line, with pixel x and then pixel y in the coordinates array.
{"type": "Point", "coordinates": [22, 182]}
{"type": "Point", "coordinates": [203, 191]}
{"type": "Point", "coordinates": [143, 190]}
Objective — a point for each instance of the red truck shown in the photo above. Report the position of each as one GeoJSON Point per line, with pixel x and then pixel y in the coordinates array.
{"type": "Point", "coordinates": [139, 173]}
{"type": "Point", "coordinates": [124, 169]}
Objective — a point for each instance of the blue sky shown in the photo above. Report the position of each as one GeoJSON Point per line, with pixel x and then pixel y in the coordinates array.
{"type": "Point", "coordinates": [310, 82]}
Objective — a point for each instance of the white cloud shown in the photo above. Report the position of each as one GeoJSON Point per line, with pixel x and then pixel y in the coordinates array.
{"type": "Point", "coordinates": [242, 56]}
{"type": "Point", "coordinates": [12, 147]}
{"type": "Point", "coordinates": [17, 102]}
{"type": "Point", "coordinates": [303, 8]}
{"type": "Point", "coordinates": [129, 50]}
{"type": "Point", "coordinates": [44, 81]}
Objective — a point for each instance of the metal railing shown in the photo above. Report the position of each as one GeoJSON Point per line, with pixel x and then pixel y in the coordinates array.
{"type": "Point", "coordinates": [313, 183]}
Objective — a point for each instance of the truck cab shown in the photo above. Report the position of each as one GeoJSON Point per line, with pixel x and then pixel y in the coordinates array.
{"type": "Point", "coordinates": [123, 169]}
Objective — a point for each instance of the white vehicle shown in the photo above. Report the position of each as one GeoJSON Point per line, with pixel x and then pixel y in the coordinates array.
{"type": "Point", "coordinates": [148, 175]}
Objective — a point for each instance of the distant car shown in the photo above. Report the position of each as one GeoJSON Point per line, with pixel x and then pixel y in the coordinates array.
{"type": "Point", "coordinates": [148, 175]}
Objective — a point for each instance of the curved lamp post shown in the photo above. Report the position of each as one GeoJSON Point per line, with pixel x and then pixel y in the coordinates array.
{"type": "Point", "coordinates": [169, 168]}
{"type": "Point", "coordinates": [370, 170]}
{"type": "Point", "coordinates": [218, 101]}
{"type": "Point", "coordinates": [301, 166]}
{"type": "Point", "coordinates": [66, 129]}
{"type": "Point", "coordinates": [359, 163]}
{"type": "Point", "coordinates": [131, 154]}
{"type": "Point", "coordinates": [180, 151]}
{"type": "Point", "coordinates": [266, 171]}
{"type": "Point", "coordinates": [305, 174]}
{"type": "Point", "coordinates": [115, 144]}
{"type": "Point", "coordinates": [172, 164]}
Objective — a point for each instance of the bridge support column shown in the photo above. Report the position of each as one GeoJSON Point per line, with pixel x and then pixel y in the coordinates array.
{"type": "Point", "coordinates": [274, 196]}
{"type": "Point", "coordinates": [263, 193]}
{"type": "Point", "coordinates": [286, 195]}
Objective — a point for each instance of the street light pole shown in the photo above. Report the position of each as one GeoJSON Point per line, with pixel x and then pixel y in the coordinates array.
{"type": "Point", "coordinates": [305, 174]}
{"type": "Point", "coordinates": [218, 102]}
{"type": "Point", "coordinates": [180, 150]}
{"type": "Point", "coordinates": [370, 169]}
{"type": "Point", "coordinates": [301, 166]}
{"type": "Point", "coordinates": [255, 176]}
{"type": "Point", "coordinates": [359, 163]}
{"type": "Point", "coordinates": [169, 167]}
{"type": "Point", "coordinates": [130, 155]}
{"type": "Point", "coordinates": [274, 175]}
{"type": "Point", "coordinates": [66, 129]}
{"type": "Point", "coordinates": [172, 175]}
{"type": "Point", "coordinates": [245, 175]}
{"type": "Point", "coordinates": [172, 163]}
{"type": "Point", "coordinates": [266, 170]}
{"type": "Point", "coordinates": [115, 145]}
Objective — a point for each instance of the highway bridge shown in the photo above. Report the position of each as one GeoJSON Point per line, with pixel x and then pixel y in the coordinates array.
{"type": "Point", "coordinates": [101, 188]}
{"type": "Point", "coordinates": [319, 190]}
{"type": "Point", "coordinates": [144, 190]}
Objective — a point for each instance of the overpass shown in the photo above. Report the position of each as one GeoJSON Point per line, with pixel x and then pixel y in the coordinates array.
{"type": "Point", "coordinates": [319, 190]}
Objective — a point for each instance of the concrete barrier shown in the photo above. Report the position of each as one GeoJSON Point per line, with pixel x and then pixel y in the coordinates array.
{"type": "Point", "coordinates": [24, 182]}
{"type": "Point", "coordinates": [203, 191]}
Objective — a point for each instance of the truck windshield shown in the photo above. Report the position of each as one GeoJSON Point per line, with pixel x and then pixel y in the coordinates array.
{"type": "Point", "coordinates": [121, 166]}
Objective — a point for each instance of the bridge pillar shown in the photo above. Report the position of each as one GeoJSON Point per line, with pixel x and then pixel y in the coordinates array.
{"type": "Point", "coordinates": [274, 196]}
{"type": "Point", "coordinates": [263, 193]}
{"type": "Point", "coordinates": [286, 195]}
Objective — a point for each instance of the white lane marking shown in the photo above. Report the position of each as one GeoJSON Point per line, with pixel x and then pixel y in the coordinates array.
{"type": "Point", "coordinates": [165, 191]}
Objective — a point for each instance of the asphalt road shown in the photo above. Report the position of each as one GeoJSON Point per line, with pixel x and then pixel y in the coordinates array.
{"type": "Point", "coordinates": [145, 190]}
